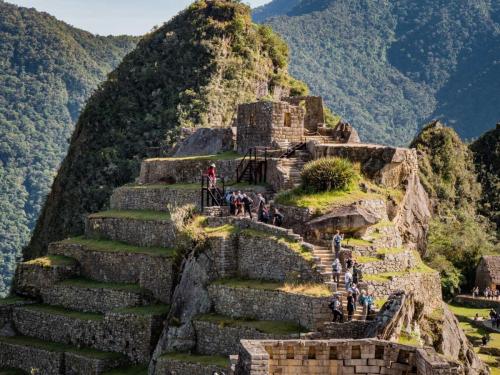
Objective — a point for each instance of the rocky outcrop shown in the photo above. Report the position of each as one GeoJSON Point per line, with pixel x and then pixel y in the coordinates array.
{"type": "Point", "coordinates": [206, 141]}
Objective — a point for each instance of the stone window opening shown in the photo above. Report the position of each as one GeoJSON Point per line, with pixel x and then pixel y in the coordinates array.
{"type": "Point", "coordinates": [356, 352]}
{"type": "Point", "coordinates": [403, 357]}
{"type": "Point", "coordinates": [379, 352]}
{"type": "Point", "coordinates": [333, 352]}
{"type": "Point", "coordinates": [311, 353]}
{"type": "Point", "coordinates": [290, 354]}
{"type": "Point", "coordinates": [288, 120]}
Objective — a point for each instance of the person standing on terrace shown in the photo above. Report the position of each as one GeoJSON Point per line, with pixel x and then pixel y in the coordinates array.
{"type": "Point", "coordinates": [337, 243]}
{"type": "Point", "coordinates": [212, 176]}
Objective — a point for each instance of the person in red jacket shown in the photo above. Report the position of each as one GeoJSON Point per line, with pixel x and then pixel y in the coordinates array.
{"type": "Point", "coordinates": [212, 176]}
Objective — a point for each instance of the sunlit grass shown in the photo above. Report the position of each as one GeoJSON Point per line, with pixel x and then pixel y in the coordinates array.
{"type": "Point", "coordinates": [265, 326]}
{"type": "Point", "coordinates": [146, 215]}
{"type": "Point", "coordinates": [119, 247]}
{"type": "Point", "coordinates": [309, 289]}
{"type": "Point", "coordinates": [53, 261]}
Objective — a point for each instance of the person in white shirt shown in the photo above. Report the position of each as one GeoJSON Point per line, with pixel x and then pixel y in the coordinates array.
{"type": "Point", "coordinates": [348, 279]}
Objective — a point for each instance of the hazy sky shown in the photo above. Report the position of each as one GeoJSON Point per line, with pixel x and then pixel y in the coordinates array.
{"type": "Point", "coordinates": [104, 17]}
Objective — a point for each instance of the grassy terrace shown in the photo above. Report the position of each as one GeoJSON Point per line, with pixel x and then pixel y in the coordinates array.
{"type": "Point", "coordinates": [12, 300]}
{"type": "Point", "coordinates": [146, 215]}
{"type": "Point", "coordinates": [57, 347]}
{"type": "Point", "coordinates": [92, 284]}
{"type": "Point", "coordinates": [264, 326]}
{"type": "Point", "coordinates": [392, 250]}
{"type": "Point", "coordinates": [53, 261]}
{"type": "Point", "coordinates": [229, 155]}
{"type": "Point", "coordinates": [130, 370]}
{"type": "Point", "coordinates": [313, 290]}
{"type": "Point", "coordinates": [200, 359]}
{"type": "Point", "coordinates": [365, 259]}
{"type": "Point", "coordinates": [388, 276]}
{"type": "Point", "coordinates": [357, 242]}
{"type": "Point", "coordinates": [465, 316]}
{"type": "Point", "coordinates": [57, 310]}
{"type": "Point", "coordinates": [222, 231]}
{"type": "Point", "coordinates": [108, 246]}
{"type": "Point", "coordinates": [11, 371]}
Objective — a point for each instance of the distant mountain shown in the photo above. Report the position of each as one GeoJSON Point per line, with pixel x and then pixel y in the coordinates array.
{"type": "Point", "coordinates": [47, 71]}
{"type": "Point", "coordinates": [391, 66]}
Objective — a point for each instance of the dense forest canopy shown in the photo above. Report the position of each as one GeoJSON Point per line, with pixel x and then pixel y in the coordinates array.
{"type": "Point", "coordinates": [390, 66]}
{"type": "Point", "coordinates": [193, 71]}
{"type": "Point", "coordinates": [47, 71]}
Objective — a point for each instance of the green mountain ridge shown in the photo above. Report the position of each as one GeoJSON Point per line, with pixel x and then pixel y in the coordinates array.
{"type": "Point", "coordinates": [48, 69]}
{"type": "Point", "coordinates": [192, 71]}
{"type": "Point", "coordinates": [389, 67]}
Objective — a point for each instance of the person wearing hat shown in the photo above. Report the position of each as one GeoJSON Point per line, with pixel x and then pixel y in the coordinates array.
{"type": "Point", "coordinates": [212, 177]}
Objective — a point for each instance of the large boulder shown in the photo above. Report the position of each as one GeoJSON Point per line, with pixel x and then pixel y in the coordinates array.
{"type": "Point", "coordinates": [206, 141]}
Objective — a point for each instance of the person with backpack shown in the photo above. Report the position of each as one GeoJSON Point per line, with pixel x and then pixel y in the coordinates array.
{"type": "Point", "coordinates": [337, 243]}
{"type": "Point", "coordinates": [350, 306]}
{"type": "Point", "coordinates": [363, 300]}
{"type": "Point", "coordinates": [336, 270]}
{"type": "Point", "coordinates": [278, 218]}
{"type": "Point", "coordinates": [369, 303]}
{"type": "Point", "coordinates": [231, 201]}
{"type": "Point", "coordinates": [355, 272]}
{"type": "Point", "coordinates": [349, 263]}
{"type": "Point", "coordinates": [348, 279]}
{"type": "Point", "coordinates": [336, 307]}
{"type": "Point", "coordinates": [261, 204]}
{"type": "Point", "coordinates": [355, 294]}
{"type": "Point", "coordinates": [247, 204]}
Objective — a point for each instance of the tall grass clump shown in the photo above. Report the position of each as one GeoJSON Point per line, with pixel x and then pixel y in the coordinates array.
{"type": "Point", "coordinates": [328, 174]}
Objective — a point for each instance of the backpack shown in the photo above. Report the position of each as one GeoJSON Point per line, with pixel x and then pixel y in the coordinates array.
{"type": "Point", "coordinates": [337, 240]}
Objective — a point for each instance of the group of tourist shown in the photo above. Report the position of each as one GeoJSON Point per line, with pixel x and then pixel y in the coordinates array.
{"type": "Point", "coordinates": [487, 293]}
{"type": "Point", "coordinates": [241, 204]}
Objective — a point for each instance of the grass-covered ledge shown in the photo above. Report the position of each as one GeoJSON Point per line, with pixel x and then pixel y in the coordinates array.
{"type": "Point", "coordinates": [196, 358]}
{"type": "Point", "coordinates": [62, 311]}
{"type": "Point", "coordinates": [308, 289]}
{"type": "Point", "coordinates": [146, 215]}
{"type": "Point", "coordinates": [92, 284]}
{"type": "Point", "coordinates": [53, 261]}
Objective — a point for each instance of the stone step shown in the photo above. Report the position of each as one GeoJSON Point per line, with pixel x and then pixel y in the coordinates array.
{"type": "Point", "coordinates": [155, 197]}
{"type": "Point", "coordinates": [140, 228]}
{"type": "Point", "coordinates": [221, 335]}
{"type": "Point", "coordinates": [115, 262]}
{"type": "Point", "coordinates": [50, 358]}
{"type": "Point", "coordinates": [192, 364]}
{"type": "Point", "coordinates": [132, 332]}
{"type": "Point", "coordinates": [94, 296]}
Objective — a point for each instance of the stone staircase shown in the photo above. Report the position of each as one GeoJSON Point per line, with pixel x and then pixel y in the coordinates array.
{"type": "Point", "coordinates": [292, 167]}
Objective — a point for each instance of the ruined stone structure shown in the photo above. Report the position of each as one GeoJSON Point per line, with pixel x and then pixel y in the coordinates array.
{"type": "Point", "coordinates": [266, 357]}
{"type": "Point", "coordinates": [488, 272]}
{"type": "Point", "coordinates": [147, 286]}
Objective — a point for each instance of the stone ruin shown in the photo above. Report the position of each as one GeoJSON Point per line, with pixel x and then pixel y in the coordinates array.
{"type": "Point", "coordinates": [488, 273]}
{"type": "Point", "coordinates": [240, 297]}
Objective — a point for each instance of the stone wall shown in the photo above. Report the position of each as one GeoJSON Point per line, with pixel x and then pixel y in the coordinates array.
{"type": "Point", "coordinates": [152, 272]}
{"type": "Point", "coordinates": [184, 170]}
{"type": "Point", "coordinates": [315, 115]}
{"type": "Point", "coordinates": [425, 286]}
{"type": "Point", "coordinates": [147, 233]}
{"type": "Point", "coordinates": [264, 258]}
{"type": "Point", "coordinates": [216, 339]}
{"type": "Point", "coordinates": [30, 278]}
{"type": "Point", "coordinates": [27, 358]}
{"type": "Point", "coordinates": [295, 217]}
{"type": "Point", "coordinates": [398, 262]}
{"type": "Point", "coordinates": [309, 312]}
{"type": "Point", "coordinates": [482, 303]}
{"type": "Point", "coordinates": [268, 124]}
{"type": "Point", "coordinates": [134, 336]}
{"type": "Point", "coordinates": [168, 366]}
{"type": "Point", "coordinates": [387, 166]}
{"type": "Point", "coordinates": [339, 357]}
{"type": "Point", "coordinates": [154, 198]}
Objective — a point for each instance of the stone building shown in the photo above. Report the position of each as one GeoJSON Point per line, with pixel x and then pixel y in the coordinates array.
{"type": "Point", "coordinates": [315, 115]}
{"type": "Point", "coordinates": [488, 272]}
{"type": "Point", "coordinates": [269, 124]}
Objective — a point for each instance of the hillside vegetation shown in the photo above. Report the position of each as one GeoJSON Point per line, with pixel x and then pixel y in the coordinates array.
{"type": "Point", "coordinates": [390, 66]}
{"type": "Point", "coordinates": [47, 71]}
{"type": "Point", "coordinates": [193, 71]}
{"type": "Point", "coordinates": [486, 151]}
{"type": "Point", "coordinates": [458, 235]}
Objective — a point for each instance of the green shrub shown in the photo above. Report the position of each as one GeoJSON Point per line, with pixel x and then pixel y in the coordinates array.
{"type": "Point", "coordinates": [328, 174]}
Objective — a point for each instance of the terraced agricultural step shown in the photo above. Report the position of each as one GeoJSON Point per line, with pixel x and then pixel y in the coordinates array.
{"type": "Point", "coordinates": [132, 332]}
{"type": "Point", "coordinates": [306, 306]}
{"type": "Point", "coordinates": [116, 262]}
{"type": "Point", "coordinates": [50, 358]}
{"type": "Point", "coordinates": [221, 335]}
{"type": "Point", "coordinates": [140, 228]}
{"type": "Point", "coordinates": [93, 296]}
{"type": "Point", "coordinates": [189, 364]}
{"type": "Point", "coordinates": [37, 274]}
{"type": "Point", "coordinates": [155, 197]}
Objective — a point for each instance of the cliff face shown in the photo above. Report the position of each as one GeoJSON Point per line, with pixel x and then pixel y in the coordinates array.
{"type": "Point", "coordinates": [190, 72]}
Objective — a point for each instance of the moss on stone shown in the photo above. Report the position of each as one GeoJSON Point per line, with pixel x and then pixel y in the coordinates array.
{"type": "Point", "coordinates": [53, 261]}
{"type": "Point", "coordinates": [313, 290]}
{"type": "Point", "coordinates": [12, 371]}
{"type": "Point", "coordinates": [388, 276]}
{"type": "Point", "coordinates": [199, 359]}
{"type": "Point", "coordinates": [366, 259]}
{"type": "Point", "coordinates": [224, 230]}
{"type": "Point", "coordinates": [264, 326]}
{"type": "Point", "coordinates": [148, 310]}
{"type": "Point", "coordinates": [146, 215]}
{"type": "Point", "coordinates": [392, 250]}
{"type": "Point", "coordinates": [92, 284]}
{"type": "Point", "coordinates": [13, 300]}
{"type": "Point", "coordinates": [357, 242]}
{"type": "Point", "coordinates": [57, 310]}
{"type": "Point", "coordinates": [129, 370]}
{"type": "Point", "coordinates": [120, 247]}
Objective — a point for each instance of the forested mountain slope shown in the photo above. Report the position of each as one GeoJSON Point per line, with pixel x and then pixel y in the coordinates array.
{"type": "Point", "coordinates": [390, 66]}
{"type": "Point", "coordinates": [193, 71]}
{"type": "Point", "coordinates": [47, 71]}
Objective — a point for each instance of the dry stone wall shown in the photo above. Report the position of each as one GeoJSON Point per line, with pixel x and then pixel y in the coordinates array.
{"type": "Point", "coordinates": [307, 311]}
{"type": "Point", "coordinates": [154, 273]}
{"type": "Point", "coordinates": [398, 262]}
{"type": "Point", "coordinates": [27, 358]}
{"type": "Point", "coordinates": [339, 357]}
{"type": "Point", "coordinates": [167, 366]}
{"type": "Point", "coordinates": [184, 171]}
